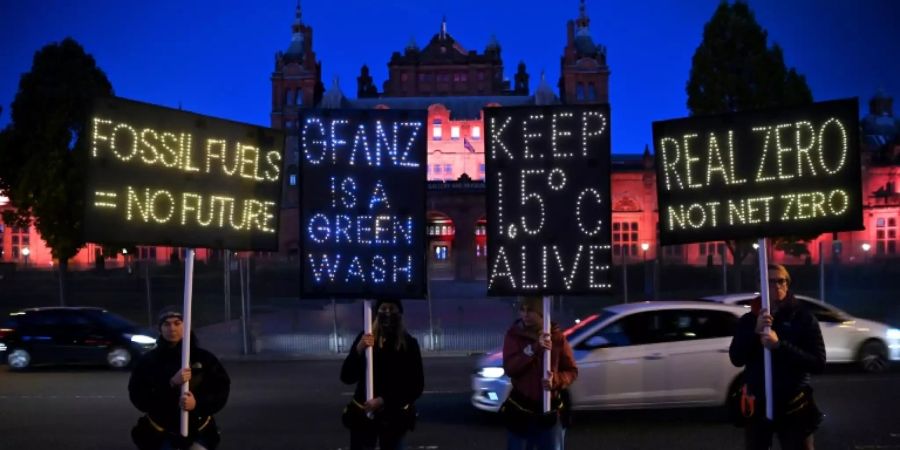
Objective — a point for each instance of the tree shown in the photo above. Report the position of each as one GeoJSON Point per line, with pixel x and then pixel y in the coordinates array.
{"type": "Point", "coordinates": [43, 151]}
{"type": "Point", "coordinates": [734, 69]}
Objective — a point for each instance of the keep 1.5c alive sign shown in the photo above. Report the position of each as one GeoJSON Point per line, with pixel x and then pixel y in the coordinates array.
{"type": "Point", "coordinates": [548, 200]}
{"type": "Point", "coordinates": [793, 171]}
{"type": "Point", "coordinates": [159, 176]}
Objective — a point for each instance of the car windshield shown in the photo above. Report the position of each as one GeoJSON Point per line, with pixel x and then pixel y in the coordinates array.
{"type": "Point", "coordinates": [109, 319]}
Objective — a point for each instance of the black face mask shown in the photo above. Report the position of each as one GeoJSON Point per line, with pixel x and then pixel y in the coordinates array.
{"type": "Point", "coordinates": [388, 321]}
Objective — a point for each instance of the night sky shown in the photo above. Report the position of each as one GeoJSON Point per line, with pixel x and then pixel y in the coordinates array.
{"type": "Point", "coordinates": [216, 57]}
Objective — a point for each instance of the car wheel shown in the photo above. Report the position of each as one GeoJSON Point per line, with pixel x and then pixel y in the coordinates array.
{"type": "Point", "coordinates": [18, 359]}
{"type": "Point", "coordinates": [873, 357]}
{"type": "Point", "coordinates": [118, 358]}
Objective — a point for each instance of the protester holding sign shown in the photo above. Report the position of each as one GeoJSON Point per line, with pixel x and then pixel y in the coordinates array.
{"type": "Point", "coordinates": [155, 389]}
{"type": "Point", "coordinates": [793, 336]}
{"type": "Point", "coordinates": [523, 349]}
{"type": "Point", "coordinates": [399, 381]}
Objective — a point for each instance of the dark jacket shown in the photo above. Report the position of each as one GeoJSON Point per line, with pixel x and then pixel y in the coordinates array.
{"type": "Point", "coordinates": [526, 371]}
{"type": "Point", "coordinates": [150, 391]}
{"type": "Point", "coordinates": [399, 378]}
{"type": "Point", "coordinates": [801, 351]}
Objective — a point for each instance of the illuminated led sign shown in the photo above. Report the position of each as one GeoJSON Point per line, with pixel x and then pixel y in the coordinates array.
{"type": "Point", "coordinates": [159, 176]}
{"type": "Point", "coordinates": [363, 179]}
{"type": "Point", "coordinates": [548, 200]}
{"type": "Point", "coordinates": [782, 172]}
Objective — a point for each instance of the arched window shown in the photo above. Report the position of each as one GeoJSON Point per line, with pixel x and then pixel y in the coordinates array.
{"type": "Point", "coordinates": [287, 97]}
{"type": "Point", "coordinates": [579, 91]}
{"type": "Point", "coordinates": [592, 91]}
{"type": "Point", "coordinates": [299, 98]}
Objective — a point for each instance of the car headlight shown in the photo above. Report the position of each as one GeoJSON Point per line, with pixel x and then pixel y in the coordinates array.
{"type": "Point", "coordinates": [491, 372]}
{"type": "Point", "coordinates": [141, 339]}
{"type": "Point", "coordinates": [893, 333]}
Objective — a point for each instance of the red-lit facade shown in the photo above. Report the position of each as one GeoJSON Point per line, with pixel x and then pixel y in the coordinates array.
{"type": "Point", "coordinates": [454, 84]}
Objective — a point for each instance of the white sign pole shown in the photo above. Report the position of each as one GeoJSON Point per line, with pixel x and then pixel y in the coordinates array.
{"type": "Point", "coordinates": [186, 340]}
{"type": "Point", "coordinates": [547, 354]}
{"type": "Point", "coordinates": [370, 351]}
{"type": "Point", "coordinates": [764, 294]}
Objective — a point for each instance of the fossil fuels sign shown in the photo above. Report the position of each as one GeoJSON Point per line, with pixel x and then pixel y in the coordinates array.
{"type": "Point", "coordinates": [548, 200]}
{"type": "Point", "coordinates": [791, 171]}
{"type": "Point", "coordinates": [362, 220]}
{"type": "Point", "coordinates": [160, 176]}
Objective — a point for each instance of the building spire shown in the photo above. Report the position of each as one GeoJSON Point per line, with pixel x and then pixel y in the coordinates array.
{"type": "Point", "coordinates": [298, 19]}
{"type": "Point", "coordinates": [583, 20]}
{"type": "Point", "coordinates": [444, 27]}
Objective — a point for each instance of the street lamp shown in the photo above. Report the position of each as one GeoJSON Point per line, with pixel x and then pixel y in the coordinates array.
{"type": "Point", "coordinates": [645, 246]}
{"type": "Point", "coordinates": [865, 248]}
{"type": "Point", "coordinates": [25, 252]}
{"type": "Point", "coordinates": [755, 246]}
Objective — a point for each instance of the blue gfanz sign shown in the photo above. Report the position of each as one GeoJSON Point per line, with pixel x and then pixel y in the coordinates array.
{"type": "Point", "coordinates": [362, 185]}
{"type": "Point", "coordinates": [548, 200]}
{"type": "Point", "coordinates": [781, 172]}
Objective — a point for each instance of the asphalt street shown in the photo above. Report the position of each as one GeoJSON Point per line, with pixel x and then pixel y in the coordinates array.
{"type": "Point", "coordinates": [297, 404]}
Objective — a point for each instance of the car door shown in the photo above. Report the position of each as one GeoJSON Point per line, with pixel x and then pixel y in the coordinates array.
{"type": "Point", "coordinates": [699, 370]}
{"type": "Point", "coordinates": [87, 342]}
{"type": "Point", "coordinates": [622, 365]}
{"type": "Point", "coordinates": [39, 335]}
{"type": "Point", "coordinates": [838, 336]}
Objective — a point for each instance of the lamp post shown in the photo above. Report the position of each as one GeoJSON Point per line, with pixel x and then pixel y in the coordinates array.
{"type": "Point", "coordinates": [25, 252]}
{"type": "Point", "coordinates": [865, 248]}
{"type": "Point", "coordinates": [647, 288]}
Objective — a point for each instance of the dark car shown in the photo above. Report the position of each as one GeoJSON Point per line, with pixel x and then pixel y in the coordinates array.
{"type": "Point", "coordinates": [67, 335]}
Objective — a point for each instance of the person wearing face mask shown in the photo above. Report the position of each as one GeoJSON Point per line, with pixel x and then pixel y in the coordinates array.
{"type": "Point", "coordinates": [399, 381]}
{"type": "Point", "coordinates": [795, 341]}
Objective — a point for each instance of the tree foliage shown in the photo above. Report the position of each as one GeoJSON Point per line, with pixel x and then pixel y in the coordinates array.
{"type": "Point", "coordinates": [735, 69]}
{"type": "Point", "coordinates": [43, 150]}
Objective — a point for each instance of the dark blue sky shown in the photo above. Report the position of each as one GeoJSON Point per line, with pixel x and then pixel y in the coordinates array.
{"type": "Point", "coordinates": [216, 57]}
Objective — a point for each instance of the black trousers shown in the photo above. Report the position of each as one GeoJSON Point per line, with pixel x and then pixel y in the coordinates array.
{"type": "Point", "coordinates": [365, 439]}
{"type": "Point", "coordinates": [758, 436]}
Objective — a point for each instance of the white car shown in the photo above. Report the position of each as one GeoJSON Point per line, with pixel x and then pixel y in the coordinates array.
{"type": "Point", "coordinates": [639, 355]}
{"type": "Point", "coordinates": [847, 339]}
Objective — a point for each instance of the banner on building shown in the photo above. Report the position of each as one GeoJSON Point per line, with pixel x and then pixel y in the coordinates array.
{"type": "Point", "coordinates": [548, 200]}
{"type": "Point", "coordinates": [362, 187]}
{"type": "Point", "coordinates": [779, 172]}
{"type": "Point", "coordinates": [160, 176]}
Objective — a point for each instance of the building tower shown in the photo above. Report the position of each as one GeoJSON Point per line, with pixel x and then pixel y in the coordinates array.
{"type": "Point", "coordinates": [584, 76]}
{"type": "Point", "coordinates": [296, 84]}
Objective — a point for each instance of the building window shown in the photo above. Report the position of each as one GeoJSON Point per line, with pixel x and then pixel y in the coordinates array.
{"type": "Point", "coordinates": [480, 76]}
{"type": "Point", "coordinates": [625, 238]}
{"type": "Point", "coordinates": [448, 168]}
{"type": "Point", "coordinates": [437, 130]}
{"type": "Point", "coordinates": [481, 168]}
{"type": "Point", "coordinates": [404, 77]}
{"type": "Point", "coordinates": [292, 179]}
{"type": "Point", "coordinates": [441, 253]}
{"type": "Point", "coordinates": [288, 100]}
{"type": "Point", "coordinates": [886, 236]}
{"type": "Point", "coordinates": [441, 228]}
{"type": "Point", "coordinates": [592, 91]}
{"type": "Point", "coordinates": [480, 250]}
{"type": "Point", "coordinates": [579, 91]}
{"type": "Point", "coordinates": [299, 98]}
{"type": "Point", "coordinates": [476, 132]}
{"type": "Point", "coordinates": [673, 250]}
{"type": "Point", "coordinates": [454, 132]}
